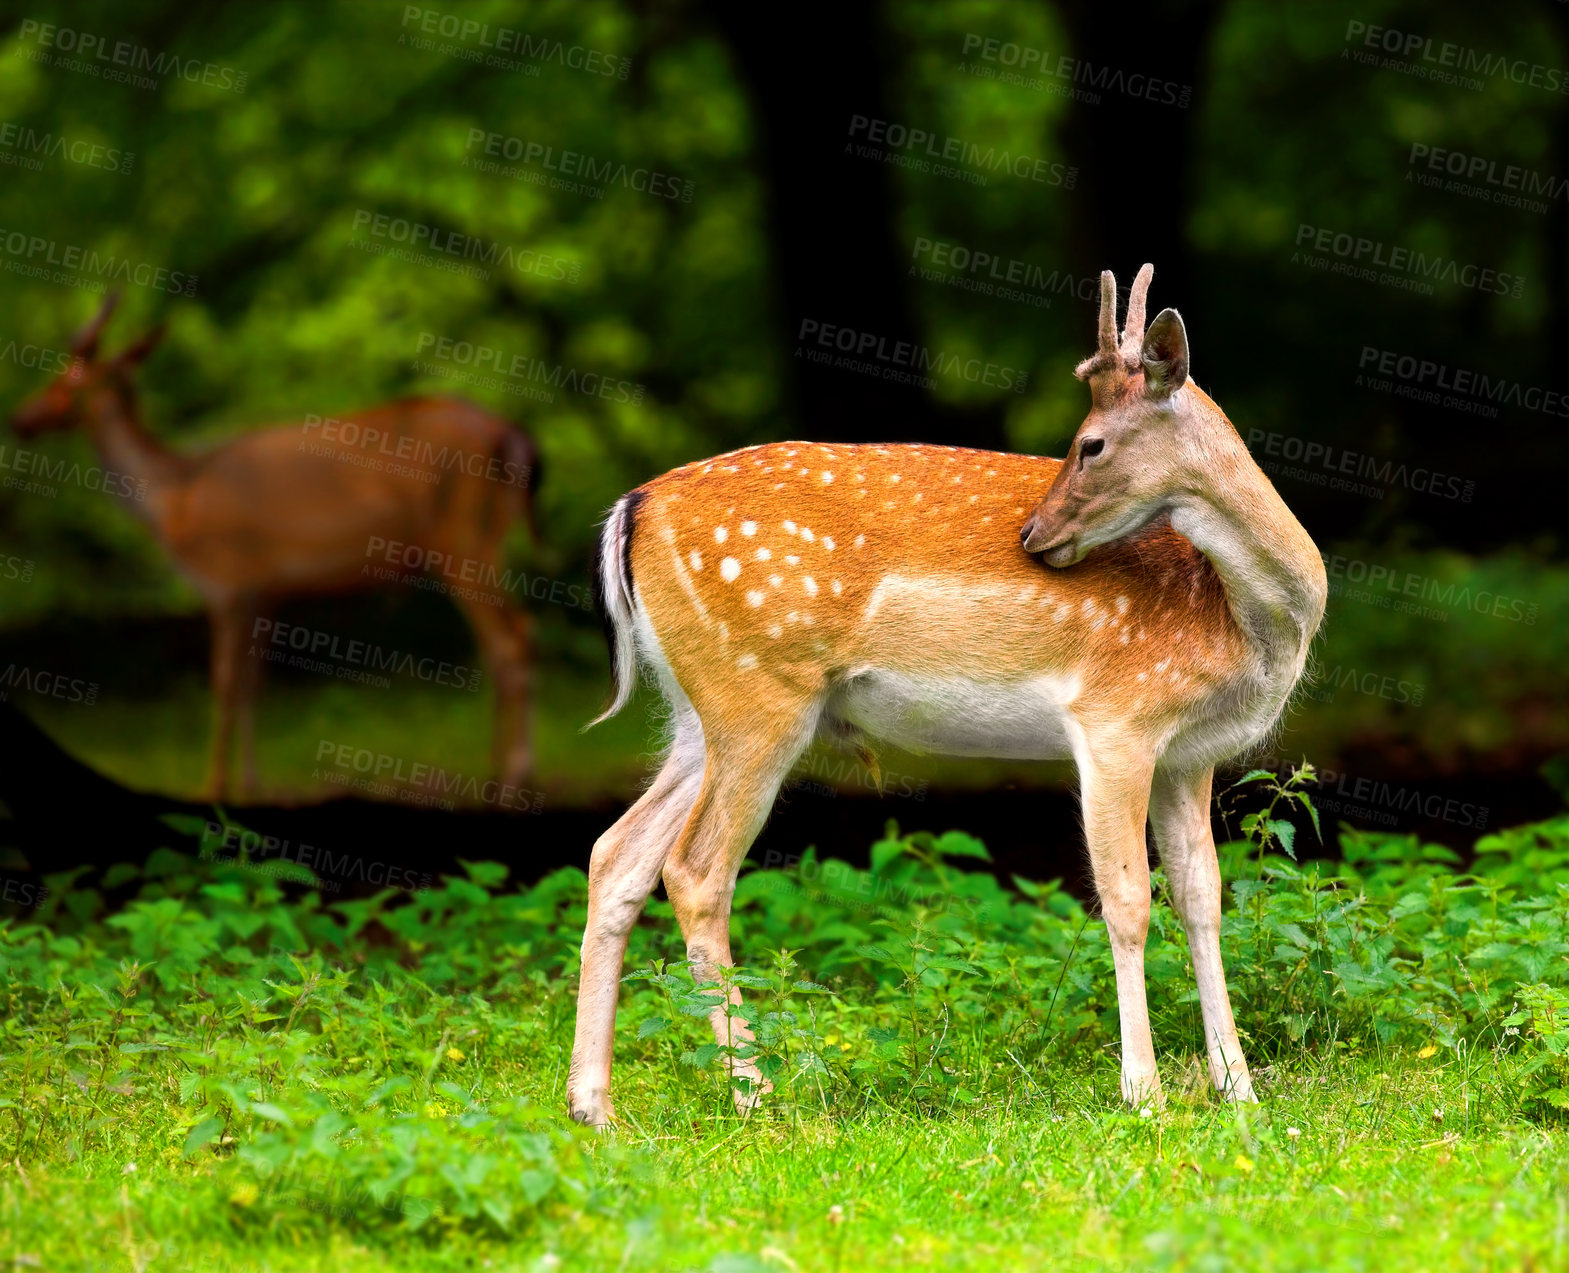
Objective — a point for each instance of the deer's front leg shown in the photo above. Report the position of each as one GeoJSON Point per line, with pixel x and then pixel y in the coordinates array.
{"type": "Point", "coordinates": [1114, 783]}
{"type": "Point", "coordinates": [1179, 811]}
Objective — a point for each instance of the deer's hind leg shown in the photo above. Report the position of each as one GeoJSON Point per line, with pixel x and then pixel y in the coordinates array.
{"type": "Point", "coordinates": [504, 633]}
{"type": "Point", "coordinates": [747, 762]}
{"type": "Point", "coordinates": [622, 873]}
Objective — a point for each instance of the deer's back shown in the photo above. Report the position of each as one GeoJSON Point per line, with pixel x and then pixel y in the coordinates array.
{"type": "Point", "coordinates": [300, 506]}
{"type": "Point", "coordinates": [812, 565]}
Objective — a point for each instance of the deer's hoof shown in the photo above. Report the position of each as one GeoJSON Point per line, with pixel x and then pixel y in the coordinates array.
{"type": "Point", "coordinates": [592, 1109]}
{"type": "Point", "coordinates": [751, 1099]}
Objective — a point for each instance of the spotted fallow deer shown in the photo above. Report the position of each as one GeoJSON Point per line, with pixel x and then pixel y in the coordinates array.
{"type": "Point", "coordinates": [293, 510]}
{"type": "Point", "coordinates": [795, 590]}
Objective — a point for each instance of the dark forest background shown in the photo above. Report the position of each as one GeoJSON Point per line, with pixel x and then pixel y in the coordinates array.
{"type": "Point", "coordinates": [1199, 136]}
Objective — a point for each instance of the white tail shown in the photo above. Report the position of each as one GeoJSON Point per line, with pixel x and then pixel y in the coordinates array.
{"type": "Point", "coordinates": [883, 592]}
{"type": "Point", "coordinates": [613, 592]}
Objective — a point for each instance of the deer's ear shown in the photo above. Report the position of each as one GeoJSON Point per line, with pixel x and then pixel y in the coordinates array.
{"type": "Point", "coordinates": [134, 355]}
{"type": "Point", "coordinates": [1165, 355]}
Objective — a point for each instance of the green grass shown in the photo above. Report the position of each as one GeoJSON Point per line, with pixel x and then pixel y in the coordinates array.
{"type": "Point", "coordinates": [220, 1075]}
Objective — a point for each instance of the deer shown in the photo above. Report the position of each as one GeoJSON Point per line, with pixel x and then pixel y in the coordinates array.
{"type": "Point", "coordinates": [1146, 617]}
{"type": "Point", "coordinates": [294, 510]}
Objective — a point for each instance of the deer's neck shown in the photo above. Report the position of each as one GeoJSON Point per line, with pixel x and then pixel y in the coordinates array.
{"type": "Point", "coordinates": [1273, 575]}
{"type": "Point", "coordinates": [129, 450]}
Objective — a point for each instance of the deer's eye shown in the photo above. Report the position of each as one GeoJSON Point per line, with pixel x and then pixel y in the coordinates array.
{"type": "Point", "coordinates": [1090, 448]}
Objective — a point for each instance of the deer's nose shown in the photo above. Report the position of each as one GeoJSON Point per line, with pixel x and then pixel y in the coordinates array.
{"type": "Point", "coordinates": [1024, 531]}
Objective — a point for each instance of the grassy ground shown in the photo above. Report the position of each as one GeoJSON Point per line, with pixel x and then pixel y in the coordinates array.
{"type": "Point", "coordinates": [224, 1075]}
{"type": "Point", "coordinates": [1371, 1179]}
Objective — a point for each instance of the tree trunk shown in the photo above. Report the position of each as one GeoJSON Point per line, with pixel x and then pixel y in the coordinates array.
{"type": "Point", "coordinates": [831, 221]}
{"type": "Point", "coordinates": [1135, 157]}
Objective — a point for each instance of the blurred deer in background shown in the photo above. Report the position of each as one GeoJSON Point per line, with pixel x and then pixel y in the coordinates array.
{"type": "Point", "coordinates": [799, 590]}
{"type": "Point", "coordinates": [294, 510]}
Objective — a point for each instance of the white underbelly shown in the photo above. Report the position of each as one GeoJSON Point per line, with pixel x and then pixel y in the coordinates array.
{"type": "Point", "coordinates": [1027, 719]}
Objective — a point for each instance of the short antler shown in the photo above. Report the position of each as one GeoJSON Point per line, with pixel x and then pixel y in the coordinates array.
{"type": "Point", "coordinates": [85, 342]}
{"type": "Point", "coordinates": [1133, 327]}
{"type": "Point", "coordinates": [1108, 313]}
{"type": "Point", "coordinates": [1105, 357]}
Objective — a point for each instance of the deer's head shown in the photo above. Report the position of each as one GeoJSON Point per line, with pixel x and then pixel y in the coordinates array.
{"type": "Point", "coordinates": [1127, 456]}
{"type": "Point", "coordinates": [77, 393]}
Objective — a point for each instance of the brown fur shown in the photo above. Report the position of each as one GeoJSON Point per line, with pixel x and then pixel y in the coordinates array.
{"type": "Point", "coordinates": [786, 588]}
{"type": "Point", "coordinates": [286, 511]}
{"type": "Point", "coordinates": [951, 514]}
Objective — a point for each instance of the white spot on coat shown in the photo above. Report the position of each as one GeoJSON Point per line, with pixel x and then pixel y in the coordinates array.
{"type": "Point", "coordinates": [729, 569]}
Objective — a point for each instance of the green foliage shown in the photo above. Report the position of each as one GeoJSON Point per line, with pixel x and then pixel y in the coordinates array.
{"type": "Point", "coordinates": [394, 1065]}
